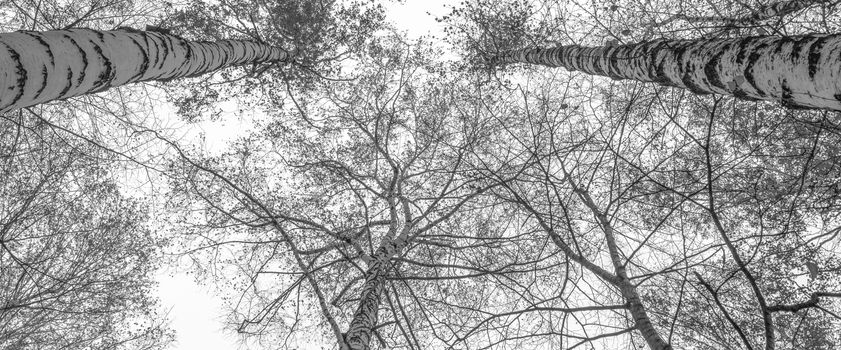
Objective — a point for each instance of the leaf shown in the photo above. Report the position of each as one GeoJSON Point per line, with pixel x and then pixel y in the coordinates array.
{"type": "Point", "coordinates": [626, 32]}
{"type": "Point", "coordinates": [813, 269]}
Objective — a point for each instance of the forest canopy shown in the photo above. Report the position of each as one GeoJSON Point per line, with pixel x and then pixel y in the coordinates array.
{"type": "Point", "coordinates": [527, 174]}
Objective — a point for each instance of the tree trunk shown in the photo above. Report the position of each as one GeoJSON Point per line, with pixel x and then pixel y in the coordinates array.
{"type": "Point", "coordinates": [799, 71]}
{"type": "Point", "coordinates": [37, 67]}
{"type": "Point", "coordinates": [358, 336]}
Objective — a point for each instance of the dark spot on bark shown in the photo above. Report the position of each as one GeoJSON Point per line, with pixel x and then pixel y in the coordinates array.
{"type": "Point", "coordinates": [84, 55]}
{"type": "Point", "coordinates": [144, 64]}
{"type": "Point", "coordinates": [68, 84]}
{"type": "Point", "coordinates": [166, 49]}
{"type": "Point", "coordinates": [228, 54]}
{"type": "Point", "coordinates": [798, 47]}
{"type": "Point", "coordinates": [21, 73]}
{"type": "Point", "coordinates": [748, 72]}
{"type": "Point", "coordinates": [158, 60]}
{"type": "Point", "coordinates": [652, 50]}
{"type": "Point", "coordinates": [103, 80]}
{"type": "Point", "coordinates": [189, 55]}
{"type": "Point", "coordinates": [815, 56]}
{"type": "Point", "coordinates": [599, 62]}
{"type": "Point", "coordinates": [787, 98]}
{"type": "Point", "coordinates": [781, 42]}
{"type": "Point", "coordinates": [743, 53]}
{"type": "Point", "coordinates": [786, 90]}
{"type": "Point", "coordinates": [695, 88]}
{"type": "Point", "coordinates": [660, 76]}
{"type": "Point", "coordinates": [615, 56]}
{"type": "Point", "coordinates": [711, 70]}
{"type": "Point", "coordinates": [38, 37]}
{"type": "Point", "coordinates": [44, 75]}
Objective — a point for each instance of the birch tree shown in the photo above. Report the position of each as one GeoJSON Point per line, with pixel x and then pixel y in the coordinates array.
{"type": "Point", "coordinates": [795, 67]}
{"type": "Point", "coordinates": [800, 71]}
{"type": "Point", "coordinates": [661, 187]}
{"type": "Point", "coordinates": [375, 168]}
{"type": "Point", "coordinates": [38, 67]}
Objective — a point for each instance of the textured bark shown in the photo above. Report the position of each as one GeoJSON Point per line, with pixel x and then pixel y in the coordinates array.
{"type": "Point", "coordinates": [358, 336]}
{"type": "Point", "coordinates": [799, 71]}
{"type": "Point", "coordinates": [37, 67]}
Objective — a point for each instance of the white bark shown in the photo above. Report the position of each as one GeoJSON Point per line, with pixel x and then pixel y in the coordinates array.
{"type": "Point", "coordinates": [361, 328]}
{"type": "Point", "coordinates": [37, 67]}
{"type": "Point", "coordinates": [799, 71]}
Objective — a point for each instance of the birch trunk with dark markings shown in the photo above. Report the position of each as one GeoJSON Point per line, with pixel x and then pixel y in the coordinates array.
{"type": "Point", "coordinates": [37, 67]}
{"type": "Point", "coordinates": [799, 71]}
{"type": "Point", "coordinates": [361, 328]}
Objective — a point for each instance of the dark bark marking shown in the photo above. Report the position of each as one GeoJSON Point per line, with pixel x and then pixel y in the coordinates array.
{"type": "Point", "coordinates": [748, 72]}
{"type": "Point", "coordinates": [158, 61]}
{"type": "Point", "coordinates": [743, 53]}
{"type": "Point", "coordinates": [613, 61]}
{"type": "Point", "coordinates": [103, 80]}
{"type": "Point", "coordinates": [68, 85]}
{"type": "Point", "coordinates": [40, 38]}
{"type": "Point", "coordinates": [21, 72]}
{"type": "Point", "coordinates": [798, 46]}
{"type": "Point", "coordinates": [84, 55]}
{"type": "Point", "coordinates": [166, 48]}
{"type": "Point", "coordinates": [44, 76]}
{"type": "Point", "coordinates": [144, 64]}
{"type": "Point", "coordinates": [815, 56]}
{"type": "Point", "coordinates": [786, 93]}
{"type": "Point", "coordinates": [711, 68]}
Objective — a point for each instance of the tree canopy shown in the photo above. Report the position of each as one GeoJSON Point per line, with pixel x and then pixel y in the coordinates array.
{"type": "Point", "coordinates": [546, 174]}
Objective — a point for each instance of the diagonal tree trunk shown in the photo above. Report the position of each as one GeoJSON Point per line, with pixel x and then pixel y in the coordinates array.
{"type": "Point", "coordinates": [361, 328]}
{"type": "Point", "coordinates": [37, 67]}
{"type": "Point", "coordinates": [799, 71]}
{"type": "Point", "coordinates": [626, 287]}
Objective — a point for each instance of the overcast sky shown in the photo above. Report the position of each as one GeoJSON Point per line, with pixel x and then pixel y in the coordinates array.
{"type": "Point", "coordinates": [195, 312]}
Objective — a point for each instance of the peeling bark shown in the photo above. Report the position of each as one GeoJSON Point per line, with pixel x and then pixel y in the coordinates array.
{"type": "Point", "coordinates": [37, 67]}
{"type": "Point", "coordinates": [799, 71]}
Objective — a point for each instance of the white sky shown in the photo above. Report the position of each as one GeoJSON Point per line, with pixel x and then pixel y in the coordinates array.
{"type": "Point", "coordinates": [195, 312]}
